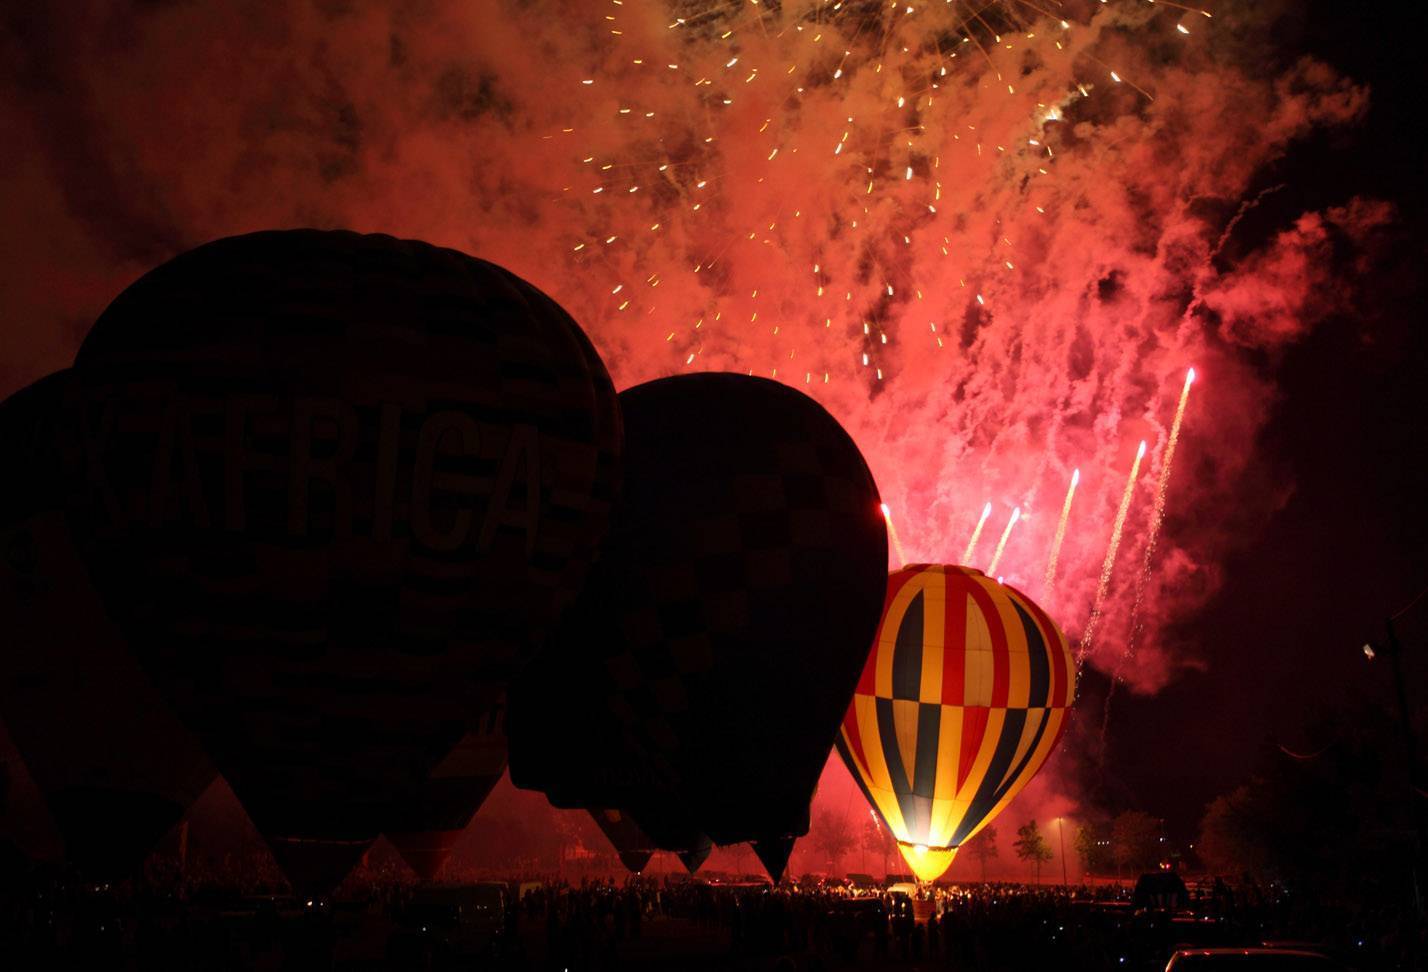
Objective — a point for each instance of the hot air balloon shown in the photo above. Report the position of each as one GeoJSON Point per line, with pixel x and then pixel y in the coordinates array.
{"type": "Point", "coordinates": [964, 696]}
{"type": "Point", "coordinates": [773, 853]}
{"type": "Point", "coordinates": [635, 847]}
{"type": "Point", "coordinates": [698, 681]}
{"type": "Point", "coordinates": [334, 487]}
{"type": "Point", "coordinates": [632, 844]}
{"type": "Point", "coordinates": [426, 828]}
{"type": "Point", "coordinates": [693, 857]}
{"type": "Point", "coordinates": [115, 766]}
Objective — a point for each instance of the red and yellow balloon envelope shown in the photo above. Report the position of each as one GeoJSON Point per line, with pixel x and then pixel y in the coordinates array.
{"type": "Point", "coordinates": [962, 699]}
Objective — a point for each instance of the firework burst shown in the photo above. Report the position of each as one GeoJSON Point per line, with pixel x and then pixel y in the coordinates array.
{"type": "Point", "coordinates": [977, 233]}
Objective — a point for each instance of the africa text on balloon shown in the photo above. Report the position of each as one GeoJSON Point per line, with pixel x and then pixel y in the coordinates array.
{"type": "Point", "coordinates": [369, 459]}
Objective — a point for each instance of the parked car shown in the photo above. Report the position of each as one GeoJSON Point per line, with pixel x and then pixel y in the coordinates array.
{"type": "Point", "coordinates": [1162, 890]}
{"type": "Point", "coordinates": [1249, 960]}
{"type": "Point", "coordinates": [447, 922]}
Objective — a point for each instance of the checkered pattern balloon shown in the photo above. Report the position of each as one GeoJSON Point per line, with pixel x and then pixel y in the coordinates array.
{"type": "Point", "coordinates": [964, 696]}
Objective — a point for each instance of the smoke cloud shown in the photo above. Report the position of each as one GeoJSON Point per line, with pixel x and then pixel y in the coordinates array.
{"type": "Point", "coordinates": [990, 242]}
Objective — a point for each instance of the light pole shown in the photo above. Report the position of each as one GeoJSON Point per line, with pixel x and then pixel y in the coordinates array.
{"type": "Point", "coordinates": [1410, 748]}
{"type": "Point", "coordinates": [1061, 830]}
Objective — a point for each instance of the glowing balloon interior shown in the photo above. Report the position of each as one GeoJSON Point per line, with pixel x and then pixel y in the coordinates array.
{"type": "Point", "coordinates": [962, 699]}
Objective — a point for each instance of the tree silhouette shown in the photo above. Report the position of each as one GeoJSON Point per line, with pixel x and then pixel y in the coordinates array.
{"type": "Point", "coordinates": [874, 839]}
{"type": "Point", "coordinates": [982, 847]}
{"type": "Point", "coordinates": [1031, 846]}
{"type": "Point", "coordinates": [832, 837]}
{"type": "Point", "coordinates": [1135, 838]}
{"type": "Point", "coordinates": [1091, 849]}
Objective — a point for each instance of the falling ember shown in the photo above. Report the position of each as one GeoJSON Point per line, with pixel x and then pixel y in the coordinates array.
{"type": "Point", "coordinates": [892, 535]}
{"type": "Point", "coordinates": [1061, 530]}
{"type": "Point", "coordinates": [976, 534]}
{"type": "Point", "coordinates": [1002, 543]}
{"type": "Point", "coordinates": [1105, 582]}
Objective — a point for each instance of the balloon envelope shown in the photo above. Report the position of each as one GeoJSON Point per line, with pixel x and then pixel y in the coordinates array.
{"type": "Point", "coordinates": [773, 854]}
{"type": "Point", "coordinates": [698, 681]}
{"type": "Point", "coordinates": [426, 828]}
{"type": "Point", "coordinates": [693, 858]}
{"type": "Point", "coordinates": [963, 697]}
{"type": "Point", "coordinates": [333, 487]}
{"type": "Point", "coordinates": [635, 847]}
{"type": "Point", "coordinates": [632, 844]}
{"type": "Point", "coordinates": [115, 766]}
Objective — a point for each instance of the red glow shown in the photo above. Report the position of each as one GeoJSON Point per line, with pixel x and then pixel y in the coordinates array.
{"type": "Point", "coordinates": [1021, 268]}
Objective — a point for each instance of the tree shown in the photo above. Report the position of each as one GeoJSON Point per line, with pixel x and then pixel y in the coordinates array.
{"type": "Point", "coordinates": [1233, 834]}
{"type": "Point", "coordinates": [1031, 846]}
{"type": "Point", "coordinates": [832, 837]}
{"type": "Point", "coordinates": [982, 847]}
{"type": "Point", "coordinates": [874, 840]}
{"type": "Point", "coordinates": [1332, 816]}
{"type": "Point", "coordinates": [1091, 849]}
{"type": "Point", "coordinates": [1135, 841]}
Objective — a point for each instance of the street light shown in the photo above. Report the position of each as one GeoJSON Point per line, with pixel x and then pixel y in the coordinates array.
{"type": "Point", "coordinates": [1394, 649]}
{"type": "Point", "coordinates": [1061, 830]}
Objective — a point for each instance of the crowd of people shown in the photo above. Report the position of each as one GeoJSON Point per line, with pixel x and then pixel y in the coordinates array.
{"type": "Point", "coordinates": [590, 925]}
{"type": "Point", "coordinates": [976, 926]}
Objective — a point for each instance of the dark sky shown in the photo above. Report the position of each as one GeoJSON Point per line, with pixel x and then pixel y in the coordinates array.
{"type": "Point", "coordinates": [1281, 640]}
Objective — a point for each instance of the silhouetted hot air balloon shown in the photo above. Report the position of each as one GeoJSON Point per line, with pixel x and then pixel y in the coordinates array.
{"type": "Point", "coordinates": [334, 487]}
{"type": "Point", "coordinates": [962, 699]}
{"type": "Point", "coordinates": [698, 681]}
{"type": "Point", "coordinates": [425, 828]}
{"type": "Point", "coordinates": [635, 847]}
{"type": "Point", "coordinates": [693, 857]}
{"type": "Point", "coordinates": [115, 766]}
{"type": "Point", "coordinates": [632, 844]}
{"type": "Point", "coordinates": [773, 853]}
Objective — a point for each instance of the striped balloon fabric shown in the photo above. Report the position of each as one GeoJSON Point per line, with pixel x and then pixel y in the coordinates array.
{"type": "Point", "coordinates": [962, 699]}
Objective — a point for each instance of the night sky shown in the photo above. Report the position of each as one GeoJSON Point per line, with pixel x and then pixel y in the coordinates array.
{"type": "Point", "coordinates": [982, 314]}
{"type": "Point", "coordinates": [1310, 584]}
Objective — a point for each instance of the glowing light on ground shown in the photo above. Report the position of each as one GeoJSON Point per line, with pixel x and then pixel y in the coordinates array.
{"type": "Point", "coordinates": [1109, 564]}
{"type": "Point", "coordinates": [1061, 530]}
{"type": "Point", "coordinates": [976, 535]}
{"type": "Point", "coordinates": [1002, 543]}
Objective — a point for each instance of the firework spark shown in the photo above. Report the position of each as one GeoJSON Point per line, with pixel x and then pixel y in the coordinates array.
{"type": "Point", "coordinates": [1061, 530]}
{"type": "Point", "coordinates": [1143, 579]}
{"type": "Point", "coordinates": [1157, 516]}
{"type": "Point", "coordinates": [1109, 564]}
{"type": "Point", "coordinates": [932, 218]}
{"type": "Point", "coordinates": [893, 537]}
{"type": "Point", "coordinates": [976, 535]}
{"type": "Point", "coordinates": [1002, 543]}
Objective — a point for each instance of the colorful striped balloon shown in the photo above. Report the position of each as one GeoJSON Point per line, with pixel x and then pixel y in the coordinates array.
{"type": "Point", "coordinates": [962, 699]}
